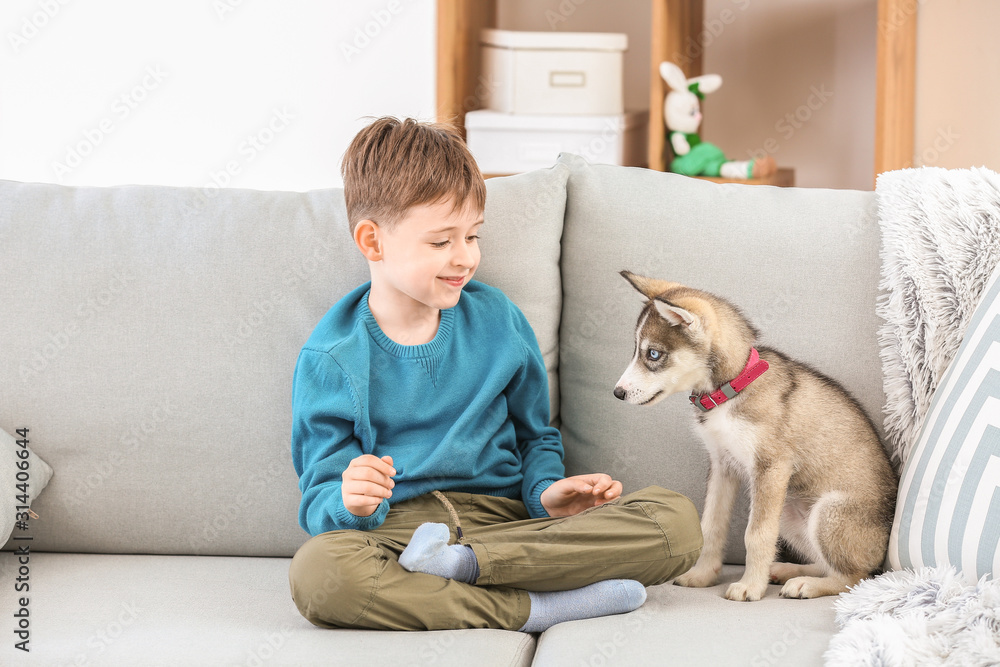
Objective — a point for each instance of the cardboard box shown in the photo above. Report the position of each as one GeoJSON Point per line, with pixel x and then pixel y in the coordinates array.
{"type": "Point", "coordinates": [563, 73]}
{"type": "Point", "coordinates": [509, 144]}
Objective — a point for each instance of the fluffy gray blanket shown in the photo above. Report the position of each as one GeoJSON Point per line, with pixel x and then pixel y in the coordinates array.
{"type": "Point", "coordinates": [917, 619]}
{"type": "Point", "coordinates": [940, 243]}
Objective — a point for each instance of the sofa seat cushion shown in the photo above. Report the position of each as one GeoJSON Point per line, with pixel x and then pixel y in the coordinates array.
{"type": "Point", "coordinates": [89, 609]}
{"type": "Point", "coordinates": [697, 626]}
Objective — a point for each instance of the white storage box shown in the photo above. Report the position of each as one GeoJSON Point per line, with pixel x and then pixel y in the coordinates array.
{"type": "Point", "coordinates": [509, 144]}
{"type": "Point", "coordinates": [553, 72]}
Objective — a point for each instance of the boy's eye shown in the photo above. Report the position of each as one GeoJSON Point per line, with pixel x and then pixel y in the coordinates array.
{"type": "Point", "coordinates": [442, 244]}
{"type": "Point", "coordinates": [653, 355]}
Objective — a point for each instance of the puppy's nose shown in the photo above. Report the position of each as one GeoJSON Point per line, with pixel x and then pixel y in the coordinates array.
{"type": "Point", "coordinates": [620, 393]}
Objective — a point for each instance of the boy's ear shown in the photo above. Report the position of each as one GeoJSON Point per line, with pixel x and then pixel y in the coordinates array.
{"type": "Point", "coordinates": [367, 237]}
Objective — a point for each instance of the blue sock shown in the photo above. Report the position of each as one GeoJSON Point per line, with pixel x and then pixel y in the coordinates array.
{"type": "Point", "coordinates": [614, 596]}
{"type": "Point", "coordinates": [430, 553]}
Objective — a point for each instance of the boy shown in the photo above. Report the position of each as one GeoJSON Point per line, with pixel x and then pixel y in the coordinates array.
{"type": "Point", "coordinates": [421, 411]}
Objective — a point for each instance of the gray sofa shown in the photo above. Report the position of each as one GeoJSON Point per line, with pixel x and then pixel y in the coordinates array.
{"type": "Point", "coordinates": [148, 340]}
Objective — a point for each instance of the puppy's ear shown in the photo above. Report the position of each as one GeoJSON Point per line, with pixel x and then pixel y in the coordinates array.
{"type": "Point", "coordinates": [648, 287]}
{"type": "Point", "coordinates": [675, 315]}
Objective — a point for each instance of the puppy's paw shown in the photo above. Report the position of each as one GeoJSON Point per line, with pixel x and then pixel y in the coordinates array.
{"type": "Point", "coordinates": [699, 576]}
{"type": "Point", "coordinates": [812, 587]}
{"type": "Point", "coordinates": [743, 591]}
{"type": "Point", "coordinates": [782, 572]}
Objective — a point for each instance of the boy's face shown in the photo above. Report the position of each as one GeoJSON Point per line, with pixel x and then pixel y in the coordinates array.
{"type": "Point", "coordinates": [432, 253]}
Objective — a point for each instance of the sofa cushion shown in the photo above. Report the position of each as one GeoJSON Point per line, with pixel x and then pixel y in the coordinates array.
{"type": "Point", "coordinates": [193, 610]}
{"type": "Point", "coordinates": [520, 244]}
{"type": "Point", "coordinates": [801, 263]}
{"type": "Point", "coordinates": [948, 509]}
{"type": "Point", "coordinates": [698, 626]}
{"type": "Point", "coordinates": [150, 335]}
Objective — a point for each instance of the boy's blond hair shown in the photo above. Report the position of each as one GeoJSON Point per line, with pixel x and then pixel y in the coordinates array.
{"type": "Point", "coordinates": [393, 164]}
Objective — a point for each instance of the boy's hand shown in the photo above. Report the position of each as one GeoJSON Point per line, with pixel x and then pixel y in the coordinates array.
{"type": "Point", "coordinates": [572, 495]}
{"type": "Point", "coordinates": [367, 480]}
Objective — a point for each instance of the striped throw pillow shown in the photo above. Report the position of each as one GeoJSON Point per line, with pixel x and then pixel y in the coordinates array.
{"type": "Point", "coordinates": [948, 507]}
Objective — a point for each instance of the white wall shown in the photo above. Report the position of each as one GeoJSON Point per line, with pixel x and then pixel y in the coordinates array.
{"type": "Point", "coordinates": [798, 83]}
{"type": "Point", "coordinates": [247, 93]}
{"type": "Point", "coordinates": [957, 92]}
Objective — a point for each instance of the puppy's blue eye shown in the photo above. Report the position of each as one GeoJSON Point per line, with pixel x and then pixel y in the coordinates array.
{"type": "Point", "coordinates": [653, 355]}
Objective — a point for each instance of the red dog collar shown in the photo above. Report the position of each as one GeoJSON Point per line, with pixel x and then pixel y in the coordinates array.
{"type": "Point", "coordinates": [754, 369]}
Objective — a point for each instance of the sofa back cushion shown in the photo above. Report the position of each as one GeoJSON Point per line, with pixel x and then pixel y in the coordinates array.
{"type": "Point", "coordinates": [802, 264]}
{"type": "Point", "coordinates": [149, 335]}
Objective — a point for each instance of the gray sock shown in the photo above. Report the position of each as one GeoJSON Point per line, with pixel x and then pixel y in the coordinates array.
{"type": "Point", "coordinates": [430, 553]}
{"type": "Point", "coordinates": [614, 596]}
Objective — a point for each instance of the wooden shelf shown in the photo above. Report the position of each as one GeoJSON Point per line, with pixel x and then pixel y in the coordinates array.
{"type": "Point", "coordinates": [676, 28]}
{"type": "Point", "coordinates": [784, 177]}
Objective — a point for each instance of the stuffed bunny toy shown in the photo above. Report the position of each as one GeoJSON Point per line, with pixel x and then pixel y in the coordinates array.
{"type": "Point", "coordinates": [682, 112]}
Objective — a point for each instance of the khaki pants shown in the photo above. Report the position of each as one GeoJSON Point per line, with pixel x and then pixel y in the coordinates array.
{"type": "Point", "coordinates": [352, 579]}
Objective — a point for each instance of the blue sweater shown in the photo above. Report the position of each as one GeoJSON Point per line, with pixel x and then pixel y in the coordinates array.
{"type": "Point", "coordinates": [468, 411]}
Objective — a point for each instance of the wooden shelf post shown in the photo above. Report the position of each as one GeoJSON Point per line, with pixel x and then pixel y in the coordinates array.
{"type": "Point", "coordinates": [677, 29]}
{"type": "Point", "coordinates": [895, 84]}
{"type": "Point", "coordinates": [458, 56]}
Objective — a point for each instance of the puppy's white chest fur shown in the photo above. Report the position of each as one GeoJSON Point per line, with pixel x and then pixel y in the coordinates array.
{"type": "Point", "coordinates": [728, 437]}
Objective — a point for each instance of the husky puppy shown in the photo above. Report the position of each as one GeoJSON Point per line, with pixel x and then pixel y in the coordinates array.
{"type": "Point", "coordinates": [817, 474]}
